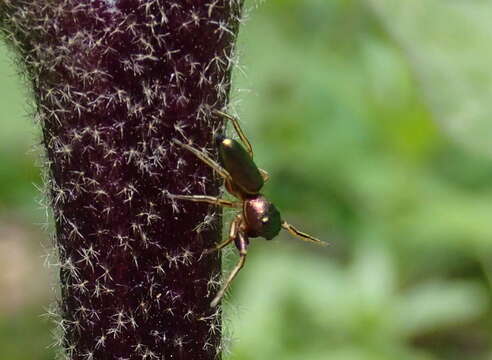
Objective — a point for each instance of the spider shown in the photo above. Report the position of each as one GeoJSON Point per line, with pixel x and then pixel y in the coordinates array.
{"type": "Point", "coordinates": [258, 217]}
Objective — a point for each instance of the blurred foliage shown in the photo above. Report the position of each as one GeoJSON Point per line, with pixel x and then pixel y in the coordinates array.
{"type": "Point", "coordinates": [372, 118]}
{"type": "Point", "coordinates": [350, 113]}
{"type": "Point", "coordinates": [445, 44]}
{"type": "Point", "coordinates": [17, 140]}
{"type": "Point", "coordinates": [25, 335]}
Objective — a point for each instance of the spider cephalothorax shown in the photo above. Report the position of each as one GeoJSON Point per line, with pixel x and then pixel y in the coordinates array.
{"type": "Point", "coordinates": [261, 217]}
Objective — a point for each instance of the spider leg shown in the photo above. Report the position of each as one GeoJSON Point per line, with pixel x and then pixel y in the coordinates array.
{"type": "Point", "coordinates": [303, 236]}
{"type": "Point", "coordinates": [238, 129]}
{"type": "Point", "coordinates": [233, 229]}
{"type": "Point", "coordinates": [207, 199]}
{"type": "Point", "coordinates": [265, 175]}
{"type": "Point", "coordinates": [206, 159]}
{"type": "Point", "coordinates": [242, 245]}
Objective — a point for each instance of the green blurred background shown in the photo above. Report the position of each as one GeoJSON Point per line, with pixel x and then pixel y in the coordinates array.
{"type": "Point", "coordinates": [373, 118]}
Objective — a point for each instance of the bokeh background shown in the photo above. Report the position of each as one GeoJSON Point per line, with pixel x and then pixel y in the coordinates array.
{"type": "Point", "coordinates": [374, 120]}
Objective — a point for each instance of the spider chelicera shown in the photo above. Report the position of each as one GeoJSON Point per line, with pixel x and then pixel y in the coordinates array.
{"type": "Point", "coordinates": [244, 180]}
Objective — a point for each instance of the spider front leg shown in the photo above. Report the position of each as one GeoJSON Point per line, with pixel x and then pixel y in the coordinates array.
{"type": "Point", "coordinates": [303, 236]}
{"type": "Point", "coordinates": [206, 199]}
{"type": "Point", "coordinates": [206, 159]}
{"type": "Point", "coordinates": [242, 245]}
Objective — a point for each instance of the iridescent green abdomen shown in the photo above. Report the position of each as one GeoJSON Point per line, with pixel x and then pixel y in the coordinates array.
{"type": "Point", "coordinates": [236, 160]}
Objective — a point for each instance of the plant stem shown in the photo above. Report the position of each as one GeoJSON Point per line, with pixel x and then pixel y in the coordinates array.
{"type": "Point", "coordinates": [114, 81]}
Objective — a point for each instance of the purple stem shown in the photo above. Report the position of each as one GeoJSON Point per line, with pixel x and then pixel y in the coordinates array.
{"type": "Point", "coordinates": [114, 81]}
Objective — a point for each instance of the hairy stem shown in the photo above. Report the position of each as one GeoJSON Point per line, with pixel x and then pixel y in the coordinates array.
{"type": "Point", "coordinates": [114, 81]}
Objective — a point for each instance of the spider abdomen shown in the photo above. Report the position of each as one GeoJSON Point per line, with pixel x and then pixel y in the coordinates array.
{"type": "Point", "coordinates": [239, 164]}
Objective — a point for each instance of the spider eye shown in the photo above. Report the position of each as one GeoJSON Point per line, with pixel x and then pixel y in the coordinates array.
{"type": "Point", "coordinates": [265, 219]}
